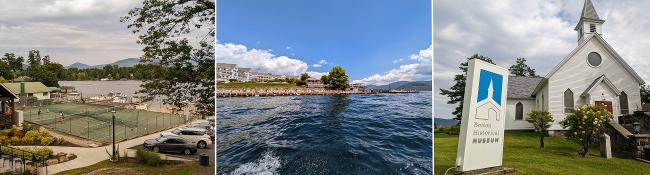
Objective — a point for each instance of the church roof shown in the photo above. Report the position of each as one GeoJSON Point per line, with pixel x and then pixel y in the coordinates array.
{"type": "Point", "coordinates": [588, 11]}
{"type": "Point", "coordinates": [522, 87]}
{"type": "Point", "coordinates": [609, 48]}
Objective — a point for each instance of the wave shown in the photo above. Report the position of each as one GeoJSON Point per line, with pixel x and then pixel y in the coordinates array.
{"type": "Point", "coordinates": [268, 164]}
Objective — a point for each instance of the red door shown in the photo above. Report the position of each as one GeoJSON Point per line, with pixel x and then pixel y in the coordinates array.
{"type": "Point", "coordinates": [608, 105]}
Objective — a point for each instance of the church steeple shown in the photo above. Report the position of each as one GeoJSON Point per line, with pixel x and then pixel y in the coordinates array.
{"type": "Point", "coordinates": [589, 23]}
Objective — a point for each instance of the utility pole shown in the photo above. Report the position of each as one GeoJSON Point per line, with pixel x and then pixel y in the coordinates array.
{"type": "Point", "coordinates": [113, 111]}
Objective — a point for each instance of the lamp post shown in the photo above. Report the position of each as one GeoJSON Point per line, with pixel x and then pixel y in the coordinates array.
{"type": "Point", "coordinates": [637, 127]}
{"type": "Point", "coordinates": [113, 123]}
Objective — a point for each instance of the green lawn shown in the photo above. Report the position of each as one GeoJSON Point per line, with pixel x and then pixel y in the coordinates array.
{"type": "Point", "coordinates": [256, 85]}
{"type": "Point", "coordinates": [522, 152]}
{"type": "Point", "coordinates": [186, 168]}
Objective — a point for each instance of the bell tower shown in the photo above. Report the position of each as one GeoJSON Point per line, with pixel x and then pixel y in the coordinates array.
{"type": "Point", "coordinates": [590, 23]}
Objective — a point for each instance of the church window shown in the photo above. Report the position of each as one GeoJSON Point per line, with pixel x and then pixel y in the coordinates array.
{"type": "Point", "coordinates": [624, 105]}
{"type": "Point", "coordinates": [594, 59]}
{"type": "Point", "coordinates": [592, 28]}
{"type": "Point", "coordinates": [519, 111]}
{"type": "Point", "coordinates": [568, 101]}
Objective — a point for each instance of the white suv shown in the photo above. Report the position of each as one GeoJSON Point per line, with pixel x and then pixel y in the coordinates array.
{"type": "Point", "coordinates": [196, 136]}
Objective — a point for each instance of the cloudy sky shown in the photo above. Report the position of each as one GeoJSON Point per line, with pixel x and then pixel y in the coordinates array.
{"type": "Point", "coordinates": [87, 31]}
{"type": "Point", "coordinates": [377, 42]}
{"type": "Point", "coordinates": [539, 30]}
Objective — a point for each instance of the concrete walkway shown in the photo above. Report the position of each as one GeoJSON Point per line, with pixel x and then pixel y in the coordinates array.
{"type": "Point", "coordinates": [90, 156]}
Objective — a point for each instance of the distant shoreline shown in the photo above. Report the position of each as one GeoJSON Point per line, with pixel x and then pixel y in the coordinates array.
{"type": "Point", "coordinates": [266, 92]}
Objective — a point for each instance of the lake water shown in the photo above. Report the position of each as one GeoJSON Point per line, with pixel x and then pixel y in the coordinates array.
{"type": "Point", "coordinates": [95, 88]}
{"type": "Point", "coordinates": [354, 134]}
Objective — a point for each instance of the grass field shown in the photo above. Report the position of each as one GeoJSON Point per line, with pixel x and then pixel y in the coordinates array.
{"type": "Point", "coordinates": [522, 152]}
{"type": "Point", "coordinates": [107, 167]}
{"type": "Point", "coordinates": [256, 85]}
{"type": "Point", "coordinates": [94, 121]}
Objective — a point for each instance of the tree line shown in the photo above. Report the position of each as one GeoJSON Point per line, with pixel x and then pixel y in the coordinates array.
{"type": "Point", "coordinates": [43, 69]}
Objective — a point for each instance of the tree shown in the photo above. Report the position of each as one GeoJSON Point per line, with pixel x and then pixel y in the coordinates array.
{"type": "Point", "coordinates": [325, 79]}
{"type": "Point", "coordinates": [303, 79]}
{"type": "Point", "coordinates": [5, 70]}
{"type": "Point", "coordinates": [521, 69]}
{"type": "Point", "coordinates": [337, 78]}
{"type": "Point", "coordinates": [541, 120]}
{"type": "Point", "coordinates": [645, 94]}
{"type": "Point", "coordinates": [34, 59]}
{"type": "Point", "coordinates": [15, 63]}
{"type": "Point", "coordinates": [585, 123]}
{"type": "Point", "coordinates": [3, 80]}
{"type": "Point", "coordinates": [187, 73]}
{"type": "Point", "coordinates": [457, 92]}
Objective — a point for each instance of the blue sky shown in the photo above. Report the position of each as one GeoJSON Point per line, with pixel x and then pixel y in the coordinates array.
{"type": "Point", "coordinates": [366, 37]}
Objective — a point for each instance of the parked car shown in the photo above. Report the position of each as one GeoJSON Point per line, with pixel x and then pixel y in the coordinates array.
{"type": "Point", "coordinates": [170, 144]}
{"type": "Point", "coordinates": [209, 128]}
{"type": "Point", "coordinates": [197, 136]}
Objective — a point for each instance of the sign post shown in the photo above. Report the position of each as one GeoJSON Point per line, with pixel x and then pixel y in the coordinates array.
{"type": "Point", "coordinates": [480, 144]}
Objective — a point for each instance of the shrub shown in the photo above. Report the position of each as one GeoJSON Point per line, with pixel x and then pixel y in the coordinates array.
{"type": "Point", "coordinates": [15, 132]}
{"type": "Point", "coordinates": [14, 140]}
{"type": "Point", "coordinates": [34, 134]}
{"type": "Point", "coordinates": [47, 102]}
{"type": "Point", "coordinates": [585, 123]}
{"type": "Point", "coordinates": [46, 141]}
{"type": "Point", "coordinates": [541, 120]}
{"type": "Point", "coordinates": [27, 141]}
{"type": "Point", "coordinates": [147, 157]}
{"type": "Point", "coordinates": [59, 140]}
{"type": "Point", "coordinates": [41, 150]}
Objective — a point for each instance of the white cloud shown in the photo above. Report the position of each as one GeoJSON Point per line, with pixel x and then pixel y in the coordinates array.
{"type": "Point", "coordinates": [317, 74]}
{"type": "Point", "coordinates": [539, 30]}
{"type": "Point", "coordinates": [88, 31]}
{"type": "Point", "coordinates": [418, 71]}
{"type": "Point", "coordinates": [259, 60]}
{"type": "Point", "coordinates": [319, 64]}
{"type": "Point", "coordinates": [288, 47]}
{"type": "Point", "coordinates": [398, 60]}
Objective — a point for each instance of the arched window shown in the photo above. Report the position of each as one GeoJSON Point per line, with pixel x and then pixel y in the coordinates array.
{"type": "Point", "coordinates": [519, 111]}
{"type": "Point", "coordinates": [568, 101]}
{"type": "Point", "coordinates": [625, 109]}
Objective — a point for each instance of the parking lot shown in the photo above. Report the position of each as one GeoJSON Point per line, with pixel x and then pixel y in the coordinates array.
{"type": "Point", "coordinates": [209, 151]}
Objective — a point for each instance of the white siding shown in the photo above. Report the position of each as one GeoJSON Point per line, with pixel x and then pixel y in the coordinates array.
{"type": "Point", "coordinates": [577, 75]}
{"type": "Point", "coordinates": [511, 123]}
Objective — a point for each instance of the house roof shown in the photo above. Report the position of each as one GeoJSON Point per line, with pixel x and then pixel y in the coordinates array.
{"type": "Point", "coordinates": [4, 91]}
{"type": "Point", "coordinates": [522, 87]}
{"type": "Point", "coordinates": [597, 81]}
{"type": "Point", "coordinates": [609, 48]}
{"type": "Point", "coordinates": [30, 87]}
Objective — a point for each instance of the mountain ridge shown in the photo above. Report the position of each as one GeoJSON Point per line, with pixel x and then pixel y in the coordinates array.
{"type": "Point", "coordinates": [128, 62]}
{"type": "Point", "coordinates": [409, 85]}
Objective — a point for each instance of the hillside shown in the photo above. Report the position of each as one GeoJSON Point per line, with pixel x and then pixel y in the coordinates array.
{"type": "Point", "coordinates": [129, 62]}
{"type": "Point", "coordinates": [444, 122]}
{"type": "Point", "coordinates": [409, 85]}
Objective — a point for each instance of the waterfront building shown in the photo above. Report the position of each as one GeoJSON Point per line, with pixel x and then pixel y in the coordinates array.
{"type": "Point", "coordinates": [262, 77]}
{"type": "Point", "coordinates": [315, 83]}
{"type": "Point", "coordinates": [227, 72]}
{"type": "Point", "coordinates": [244, 74]}
{"type": "Point", "coordinates": [357, 86]}
{"type": "Point", "coordinates": [593, 73]}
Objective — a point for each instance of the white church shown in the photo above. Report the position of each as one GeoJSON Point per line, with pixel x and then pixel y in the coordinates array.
{"type": "Point", "coordinates": [593, 73]}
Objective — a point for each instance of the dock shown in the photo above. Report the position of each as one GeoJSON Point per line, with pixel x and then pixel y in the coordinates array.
{"type": "Point", "coordinates": [263, 92]}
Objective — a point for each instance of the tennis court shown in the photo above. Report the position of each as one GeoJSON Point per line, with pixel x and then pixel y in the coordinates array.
{"type": "Point", "coordinates": [94, 121]}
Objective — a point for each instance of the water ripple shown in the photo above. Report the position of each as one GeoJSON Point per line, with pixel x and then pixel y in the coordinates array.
{"type": "Point", "coordinates": [355, 134]}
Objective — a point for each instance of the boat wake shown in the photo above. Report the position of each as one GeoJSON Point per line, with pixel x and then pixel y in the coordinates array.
{"type": "Point", "coordinates": [266, 165]}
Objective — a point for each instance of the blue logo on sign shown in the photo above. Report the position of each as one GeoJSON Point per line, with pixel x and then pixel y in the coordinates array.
{"type": "Point", "coordinates": [489, 86]}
